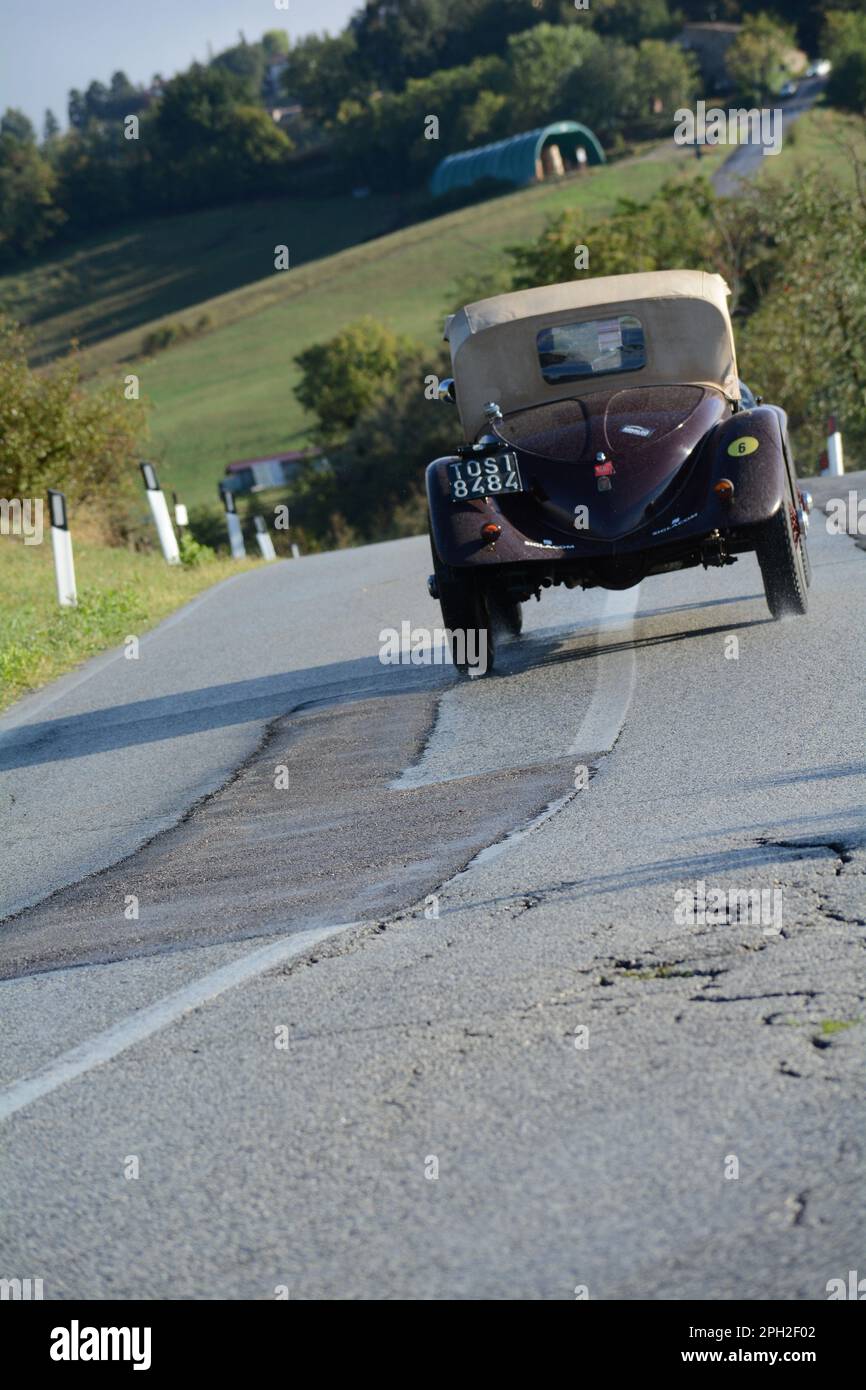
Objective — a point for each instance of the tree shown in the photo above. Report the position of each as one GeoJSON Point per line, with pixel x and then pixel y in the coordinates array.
{"type": "Point", "coordinates": [804, 345]}
{"type": "Point", "coordinates": [124, 98]}
{"type": "Point", "coordinates": [844, 32]}
{"type": "Point", "coordinates": [665, 80]}
{"type": "Point", "coordinates": [847, 85]}
{"type": "Point", "coordinates": [55, 434]}
{"type": "Point", "coordinates": [275, 43]}
{"type": "Point", "coordinates": [50, 127]}
{"type": "Point", "coordinates": [487, 119]}
{"type": "Point", "coordinates": [399, 39]}
{"type": "Point", "coordinates": [756, 60]}
{"type": "Point", "coordinates": [192, 107]}
{"type": "Point", "coordinates": [547, 62]}
{"type": "Point", "coordinates": [14, 125]}
{"type": "Point", "coordinates": [343, 376]}
{"type": "Point", "coordinates": [77, 110]}
{"type": "Point", "coordinates": [600, 91]}
{"type": "Point", "coordinates": [93, 175]}
{"type": "Point", "coordinates": [246, 62]}
{"type": "Point", "coordinates": [844, 42]}
{"type": "Point", "coordinates": [383, 140]}
{"type": "Point", "coordinates": [672, 229]}
{"type": "Point", "coordinates": [633, 20]}
{"type": "Point", "coordinates": [321, 73]}
{"type": "Point", "coordinates": [379, 470]}
{"type": "Point", "coordinates": [96, 99]}
{"type": "Point", "coordinates": [369, 390]}
{"type": "Point", "coordinates": [29, 216]}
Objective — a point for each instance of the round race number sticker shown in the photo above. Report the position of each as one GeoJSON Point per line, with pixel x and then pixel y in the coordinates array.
{"type": "Point", "coordinates": [746, 444]}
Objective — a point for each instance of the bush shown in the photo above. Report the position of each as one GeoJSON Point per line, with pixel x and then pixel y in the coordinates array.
{"type": "Point", "coordinates": [54, 434]}
{"type": "Point", "coordinates": [342, 377]}
{"type": "Point", "coordinates": [672, 229]}
{"type": "Point", "coordinates": [847, 85]}
{"type": "Point", "coordinates": [192, 553]}
{"type": "Point", "coordinates": [207, 527]}
{"type": "Point", "coordinates": [169, 334]}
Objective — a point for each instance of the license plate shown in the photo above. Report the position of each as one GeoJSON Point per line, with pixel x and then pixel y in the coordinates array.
{"type": "Point", "coordinates": [485, 476]}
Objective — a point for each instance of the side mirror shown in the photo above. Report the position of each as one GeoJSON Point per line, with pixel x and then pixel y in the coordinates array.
{"type": "Point", "coordinates": [447, 391]}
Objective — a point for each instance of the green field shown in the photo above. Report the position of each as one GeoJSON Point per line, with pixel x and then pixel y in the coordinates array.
{"type": "Point", "coordinates": [120, 593]}
{"type": "Point", "coordinates": [119, 283]}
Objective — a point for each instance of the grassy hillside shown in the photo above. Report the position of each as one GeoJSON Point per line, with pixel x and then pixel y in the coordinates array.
{"type": "Point", "coordinates": [114, 284]}
{"type": "Point", "coordinates": [228, 394]}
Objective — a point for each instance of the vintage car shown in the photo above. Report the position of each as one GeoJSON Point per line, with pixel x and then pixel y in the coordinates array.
{"type": "Point", "coordinates": [607, 438]}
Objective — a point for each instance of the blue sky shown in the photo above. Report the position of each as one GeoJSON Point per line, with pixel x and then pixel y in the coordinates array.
{"type": "Point", "coordinates": [48, 46]}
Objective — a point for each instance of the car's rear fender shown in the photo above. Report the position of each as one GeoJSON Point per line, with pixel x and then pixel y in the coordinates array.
{"type": "Point", "coordinates": [750, 449]}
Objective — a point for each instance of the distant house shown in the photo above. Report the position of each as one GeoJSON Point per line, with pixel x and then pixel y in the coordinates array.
{"type": "Point", "coordinates": [709, 44]}
{"type": "Point", "coordinates": [257, 475]}
{"type": "Point", "coordinates": [535, 154]}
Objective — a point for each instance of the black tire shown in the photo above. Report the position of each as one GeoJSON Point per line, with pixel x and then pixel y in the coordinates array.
{"type": "Point", "coordinates": [781, 552]}
{"type": "Point", "coordinates": [504, 614]}
{"type": "Point", "coordinates": [465, 614]}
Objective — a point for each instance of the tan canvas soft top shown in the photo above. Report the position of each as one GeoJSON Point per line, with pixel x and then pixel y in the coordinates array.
{"type": "Point", "coordinates": [685, 319]}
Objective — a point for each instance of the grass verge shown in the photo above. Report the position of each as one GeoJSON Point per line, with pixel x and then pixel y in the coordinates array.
{"type": "Point", "coordinates": [121, 593]}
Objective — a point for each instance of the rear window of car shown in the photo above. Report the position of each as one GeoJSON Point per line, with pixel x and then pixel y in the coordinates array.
{"type": "Point", "coordinates": [572, 351]}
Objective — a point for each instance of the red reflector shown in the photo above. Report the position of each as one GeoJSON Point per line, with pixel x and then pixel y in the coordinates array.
{"type": "Point", "coordinates": [490, 531]}
{"type": "Point", "coordinates": [604, 470]}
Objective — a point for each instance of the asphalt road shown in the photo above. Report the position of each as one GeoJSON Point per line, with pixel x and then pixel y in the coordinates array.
{"type": "Point", "coordinates": [322, 975]}
{"type": "Point", "coordinates": [746, 160]}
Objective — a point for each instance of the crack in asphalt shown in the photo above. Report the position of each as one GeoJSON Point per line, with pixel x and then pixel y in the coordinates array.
{"type": "Point", "coordinates": [843, 852]}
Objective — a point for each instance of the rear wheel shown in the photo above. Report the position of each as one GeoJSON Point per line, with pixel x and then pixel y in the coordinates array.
{"type": "Point", "coordinates": [781, 551]}
{"type": "Point", "coordinates": [465, 615]}
{"type": "Point", "coordinates": [504, 613]}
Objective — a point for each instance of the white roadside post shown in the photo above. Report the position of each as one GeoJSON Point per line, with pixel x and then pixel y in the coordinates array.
{"type": "Point", "coordinates": [61, 544]}
{"type": "Point", "coordinates": [233, 524]}
{"type": "Point", "coordinates": [296, 554]}
{"type": "Point", "coordinates": [181, 516]}
{"type": "Point", "coordinates": [159, 512]}
{"type": "Point", "coordinates": [266, 545]}
{"type": "Point", "coordinates": [835, 460]}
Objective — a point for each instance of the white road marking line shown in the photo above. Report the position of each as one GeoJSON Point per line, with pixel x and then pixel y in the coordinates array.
{"type": "Point", "coordinates": [144, 1022]}
{"type": "Point", "coordinates": [601, 725]}
{"type": "Point", "coordinates": [508, 841]}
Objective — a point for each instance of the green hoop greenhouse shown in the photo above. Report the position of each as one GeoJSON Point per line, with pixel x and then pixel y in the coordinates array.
{"type": "Point", "coordinates": [517, 159]}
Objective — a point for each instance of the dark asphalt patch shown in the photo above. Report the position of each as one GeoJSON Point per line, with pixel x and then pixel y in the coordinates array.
{"type": "Point", "coordinates": [324, 841]}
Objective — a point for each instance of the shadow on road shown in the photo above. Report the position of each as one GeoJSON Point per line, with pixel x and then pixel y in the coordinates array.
{"type": "Point", "coordinates": [270, 697]}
